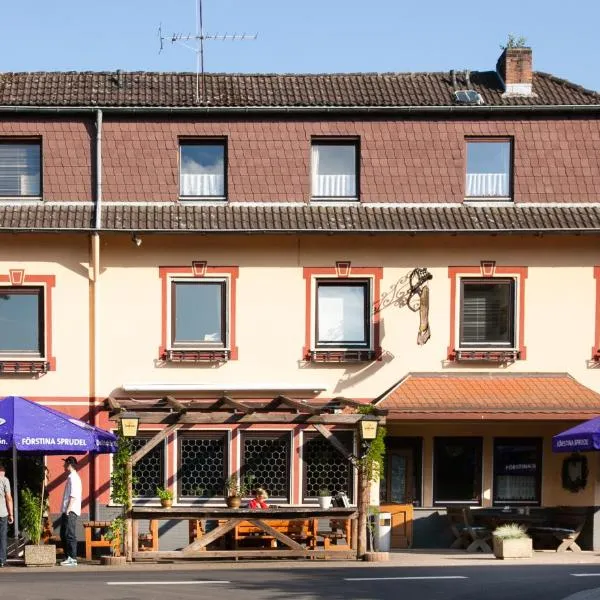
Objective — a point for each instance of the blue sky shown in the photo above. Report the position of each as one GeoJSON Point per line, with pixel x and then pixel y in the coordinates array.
{"type": "Point", "coordinates": [309, 36]}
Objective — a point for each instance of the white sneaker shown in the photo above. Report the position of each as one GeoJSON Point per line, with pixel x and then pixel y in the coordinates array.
{"type": "Point", "coordinates": [68, 562]}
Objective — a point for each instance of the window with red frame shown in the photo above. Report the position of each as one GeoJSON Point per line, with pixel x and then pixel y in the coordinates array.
{"type": "Point", "coordinates": [22, 318]}
{"type": "Point", "coordinates": [342, 314]}
{"type": "Point", "coordinates": [199, 314]}
{"type": "Point", "coordinates": [487, 313]}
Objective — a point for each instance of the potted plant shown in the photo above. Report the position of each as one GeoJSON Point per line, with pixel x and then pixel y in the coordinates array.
{"type": "Point", "coordinates": [166, 497]}
{"type": "Point", "coordinates": [32, 512]}
{"type": "Point", "coordinates": [324, 498]}
{"type": "Point", "coordinates": [511, 541]}
{"type": "Point", "coordinates": [235, 490]}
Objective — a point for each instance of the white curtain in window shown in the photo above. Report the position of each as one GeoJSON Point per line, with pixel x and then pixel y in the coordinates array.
{"type": "Point", "coordinates": [492, 184]}
{"type": "Point", "coordinates": [487, 185]}
{"type": "Point", "coordinates": [515, 487]}
{"type": "Point", "coordinates": [331, 185]}
{"type": "Point", "coordinates": [202, 184]}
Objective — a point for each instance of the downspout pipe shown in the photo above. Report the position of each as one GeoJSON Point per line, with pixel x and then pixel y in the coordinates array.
{"type": "Point", "coordinates": [95, 318]}
{"type": "Point", "coordinates": [98, 211]}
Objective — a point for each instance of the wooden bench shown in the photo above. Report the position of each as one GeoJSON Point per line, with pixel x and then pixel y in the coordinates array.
{"type": "Point", "coordinates": [563, 525]}
{"type": "Point", "coordinates": [300, 530]}
{"type": "Point", "coordinates": [95, 533]}
{"type": "Point", "coordinates": [467, 533]}
{"type": "Point", "coordinates": [148, 542]}
{"type": "Point", "coordinates": [456, 521]}
{"type": "Point", "coordinates": [338, 537]}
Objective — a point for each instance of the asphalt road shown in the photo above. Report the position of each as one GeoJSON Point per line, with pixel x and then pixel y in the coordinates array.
{"type": "Point", "coordinates": [281, 582]}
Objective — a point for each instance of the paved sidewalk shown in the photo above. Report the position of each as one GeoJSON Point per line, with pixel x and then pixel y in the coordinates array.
{"type": "Point", "coordinates": [398, 558]}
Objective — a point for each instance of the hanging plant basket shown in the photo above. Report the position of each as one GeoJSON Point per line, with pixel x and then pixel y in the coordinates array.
{"type": "Point", "coordinates": [574, 474]}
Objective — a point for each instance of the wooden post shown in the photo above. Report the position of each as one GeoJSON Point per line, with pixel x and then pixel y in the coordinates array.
{"type": "Point", "coordinates": [128, 520]}
{"type": "Point", "coordinates": [363, 505]}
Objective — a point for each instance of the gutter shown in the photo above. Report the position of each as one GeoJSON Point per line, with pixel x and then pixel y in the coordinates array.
{"type": "Point", "coordinates": [258, 110]}
{"type": "Point", "coordinates": [329, 232]}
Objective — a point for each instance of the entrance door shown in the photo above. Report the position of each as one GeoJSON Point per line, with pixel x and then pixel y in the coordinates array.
{"type": "Point", "coordinates": [398, 493]}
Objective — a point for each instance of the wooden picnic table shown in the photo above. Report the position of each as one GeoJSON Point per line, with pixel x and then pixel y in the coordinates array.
{"type": "Point", "coordinates": [229, 518]}
{"type": "Point", "coordinates": [494, 517]}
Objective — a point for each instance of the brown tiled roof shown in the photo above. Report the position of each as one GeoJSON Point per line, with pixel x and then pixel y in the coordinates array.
{"type": "Point", "coordinates": [349, 219]}
{"type": "Point", "coordinates": [306, 218]}
{"type": "Point", "coordinates": [432, 395]}
{"type": "Point", "coordinates": [144, 89]}
{"type": "Point", "coordinates": [46, 217]}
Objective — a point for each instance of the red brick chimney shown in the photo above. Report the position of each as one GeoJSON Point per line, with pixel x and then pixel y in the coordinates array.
{"type": "Point", "coordinates": [515, 68]}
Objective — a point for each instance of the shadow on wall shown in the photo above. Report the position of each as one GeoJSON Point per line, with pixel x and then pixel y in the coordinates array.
{"type": "Point", "coordinates": [431, 529]}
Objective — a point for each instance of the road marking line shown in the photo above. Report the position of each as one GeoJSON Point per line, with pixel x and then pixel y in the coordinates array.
{"type": "Point", "coordinates": [164, 582]}
{"type": "Point", "coordinates": [396, 578]}
{"type": "Point", "coordinates": [585, 574]}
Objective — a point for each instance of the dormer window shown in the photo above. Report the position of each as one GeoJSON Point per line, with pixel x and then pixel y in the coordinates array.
{"type": "Point", "coordinates": [489, 172]}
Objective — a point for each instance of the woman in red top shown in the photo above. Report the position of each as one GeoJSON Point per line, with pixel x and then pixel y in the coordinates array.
{"type": "Point", "coordinates": [259, 500]}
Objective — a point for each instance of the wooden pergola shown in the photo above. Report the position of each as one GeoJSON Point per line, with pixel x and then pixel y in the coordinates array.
{"type": "Point", "coordinates": [174, 414]}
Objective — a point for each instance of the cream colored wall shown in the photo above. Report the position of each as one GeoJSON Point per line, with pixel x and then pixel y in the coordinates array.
{"type": "Point", "coordinates": [552, 492]}
{"type": "Point", "coordinates": [559, 304]}
{"type": "Point", "coordinates": [560, 307]}
{"type": "Point", "coordinates": [66, 257]}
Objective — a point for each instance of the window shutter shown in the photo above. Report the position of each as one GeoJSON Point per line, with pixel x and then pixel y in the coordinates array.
{"type": "Point", "coordinates": [19, 170]}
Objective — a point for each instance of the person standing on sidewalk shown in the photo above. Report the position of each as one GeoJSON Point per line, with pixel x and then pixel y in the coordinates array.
{"type": "Point", "coordinates": [71, 509]}
{"type": "Point", "coordinates": [6, 513]}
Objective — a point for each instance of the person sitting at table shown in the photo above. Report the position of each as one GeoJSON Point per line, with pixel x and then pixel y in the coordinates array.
{"type": "Point", "coordinates": [259, 500]}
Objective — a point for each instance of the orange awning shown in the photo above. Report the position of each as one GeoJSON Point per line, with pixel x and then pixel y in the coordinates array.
{"type": "Point", "coordinates": [490, 396]}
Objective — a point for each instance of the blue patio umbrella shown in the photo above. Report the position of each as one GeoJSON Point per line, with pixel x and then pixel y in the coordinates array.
{"type": "Point", "coordinates": [27, 426]}
{"type": "Point", "coordinates": [584, 437]}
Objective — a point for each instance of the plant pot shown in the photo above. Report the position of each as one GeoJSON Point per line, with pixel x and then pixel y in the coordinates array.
{"type": "Point", "coordinates": [113, 561]}
{"type": "Point", "coordinates": [325, 501]}
{"type": "Point", "coordinates": [233, 501]}
{"type": "Point", "coordinates": [166, 503]}
{"type": "Point", "coordinates": [512, 548]}
{"type": "Point", "coordinates": [40, 555]}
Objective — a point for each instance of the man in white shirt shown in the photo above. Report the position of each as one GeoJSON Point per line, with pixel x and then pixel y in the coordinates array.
{"type": "Point", "coordinates": [71, 509]}
{"type": "Point", "coordinates": [6, 513]}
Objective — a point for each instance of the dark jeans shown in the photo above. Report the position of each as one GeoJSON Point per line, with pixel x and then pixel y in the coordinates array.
{"type": "Point", "coordinates": [3, 538]}
{"type": "Point", "coordinates": [68, 534]}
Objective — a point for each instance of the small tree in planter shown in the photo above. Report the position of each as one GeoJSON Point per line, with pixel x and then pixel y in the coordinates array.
{"type": "Point", "coordinates": [511, 541]}
{"type": "Point", "coordinates": [236, 489]}
{"type": "Point", "coordinates": [166, 497]}
{"type": "Point", "coordinates": [324, 498]}
{"type": "Point", "coordinates": [32, 513]}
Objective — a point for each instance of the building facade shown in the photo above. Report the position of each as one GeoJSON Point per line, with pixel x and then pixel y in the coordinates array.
{"type": "Point", "coordinates": [278, 239]}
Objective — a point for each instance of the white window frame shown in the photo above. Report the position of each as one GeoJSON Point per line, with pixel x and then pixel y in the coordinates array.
{"type": "Point", "coordinates": [155, 501]}
{"type": "Point", "coordinates": [516, 312]}
{"type": "Point", "coordinates": [304, 434]}
{"type": "Point", "coordinates": [270, 433]}
{"type": "Point", "coordinates": [202, 142]}
{"type": "Point", "coordinates": [227, 307]}
{"type": "Point", "coordinates": [510, 184]}
{"type": "Point", "coordinates": [315, 143]}
{"type": "Point", "coordinates": [315, 280]}
{"type": "Point", "coordinates": [228, 435]}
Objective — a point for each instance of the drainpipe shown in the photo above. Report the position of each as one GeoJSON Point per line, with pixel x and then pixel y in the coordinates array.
{"type": "Point", "coordinates": [98, 212]}
{"type": "Point", "coordinates": [94, 327]}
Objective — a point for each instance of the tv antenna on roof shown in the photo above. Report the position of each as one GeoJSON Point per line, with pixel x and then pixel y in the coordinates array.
{"type": "Point", "coordinates": [196, 44]}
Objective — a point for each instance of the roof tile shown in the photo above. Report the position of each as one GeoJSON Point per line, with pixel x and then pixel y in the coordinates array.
{"type": "Point", "coordinates": [148, 89]}
{"type": "Point", "coordinates": [442, 393]}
